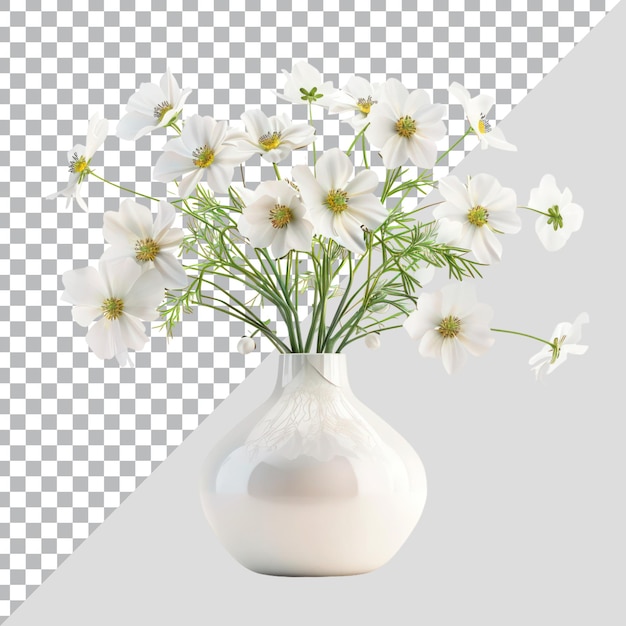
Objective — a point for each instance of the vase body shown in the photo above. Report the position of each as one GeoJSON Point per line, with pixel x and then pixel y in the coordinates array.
{"type": "Point", "coordinates": [313, 483]}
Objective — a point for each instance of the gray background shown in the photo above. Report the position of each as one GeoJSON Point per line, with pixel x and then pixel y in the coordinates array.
{"type": "Point", "coordinates": [526, 505]}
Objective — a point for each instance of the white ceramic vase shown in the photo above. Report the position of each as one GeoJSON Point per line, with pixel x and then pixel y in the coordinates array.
{"type": "Point", "coordinates": [313, 483]}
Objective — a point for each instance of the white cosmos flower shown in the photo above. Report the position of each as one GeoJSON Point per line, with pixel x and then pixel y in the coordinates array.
{"type": "Point", "coordinates": [563, 216]}
{"type": "Point", "coordinates": [405, 126]}
{"type": "Point", "coordinates": [79, 158]}
{"type": "Point", "coordinates": [201, 149]}
{"type": "Point", "coordinates": [565, 337]}
{"type": "Point", "coordinates": [358, 97]}
{"type": "Point", "coordinates": [274, 137]}
{"type": "Point", "coordinates": [339, 207]}
{"type": "Point", "coordinates": [121, 296]}
{"type": "Point", "coordinates": [476, 110]}
{"type": "Point", "coordinates": [275, 217]}
{"type": "Point", "coordinates": [472, 214]}
{"type": "Point", "coordinates": [151, 107]}
{"type": "Point", "coordinates": [304, 85]}
{"type": "Point", "coordinates": [450, 323]}
{"type": "Point", "coordinates": [132, 233]}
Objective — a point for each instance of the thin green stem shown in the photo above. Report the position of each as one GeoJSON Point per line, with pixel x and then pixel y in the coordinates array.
{"type": "Point", "coordinates": [534, 210]}
{"type": "Point", "coordinates": [276, 171]}
{"type": "Point", "coordinates": [514, 332]}
{"type": "Point", "coordinates": [454, 145]}
{"type": "Point", "coordinates": [364, 152]}
{"type": "Point", "coordinates": [314, 148]}
{"type": "Point", "coordinates": [104, 180]}
{"type": "Point", "coordinates": [356, 138]}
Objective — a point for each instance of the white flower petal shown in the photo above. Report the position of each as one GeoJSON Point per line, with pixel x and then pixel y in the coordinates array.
{"type": "Point", "coordinates": [458, 299]}
{"type": "Point", "coordinates": [189, 183]}
{"type": "Point", "coordinates": [132, 333]}
{"type": "Point", "coordinates": [219, 176]}
{"type": "Point", "coordinates": [164, 220]}
{"type": "Point", "coordinates": [118, 276]}
{"type": "Point", "coordinates": [96, 134]}
{"type": "Point", "coordinates": [460, 93]}
{"type": "Point", "coordinates": [495, 138]}
{"type": "Point", "coordinates": [365, 182]}
{"type": "Point", "coordinates": [134, 125]}
{"type": "Point", "coordinates": [171, 166]}
{"type": "Point", "coordinates": [485, 246]}
{"type": "Point", "coordinates": [84, 287]}
{"type": "Point", "coordinates": [145, 295]}
{"type": "Point", "coordinates": [101, 340]}
{"type": "Point", "coordinates": [171, 270]}
{"type": "Point", "coordinates": [349, 232]}
{"type": "Point", "coordinates": [453, 355]}
{"type": "Point", "coordinates": [367, 210]}
{"type": "Point", "coordinates": [422, 152]}
{"type": "Point", "coordinates": [395, 152]}
{"type": "Point", "coordinates": [334, 169]}
{"type": "Point", "coordinates": [431, 344]}
{"type": "Point", "coordinates": [455, 192]}
{"type": "Point", "coordinates": [84, 315]}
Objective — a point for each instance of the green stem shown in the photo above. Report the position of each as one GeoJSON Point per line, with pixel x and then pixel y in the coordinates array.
{"type": "Point", "coordinates": [314, 148]}
{"type": "Point", "coordinates": [364, 152]}
{"type": "Point", "coordinates": [104, 180]}
{"type": "Point", "coordinates": [514, 332]}
{"type": "Point", "coordinates": [277, 172]}
{"type": "Point", "coordinates": [534, 210]}
{"type": "Point", "coordinates": [454, 145]}
{"type": "Point", "coordinates": [356, 138]}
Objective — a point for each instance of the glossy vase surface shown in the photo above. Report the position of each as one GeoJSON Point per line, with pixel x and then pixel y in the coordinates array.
{"type": "Point", "coordinates": [313, 483]}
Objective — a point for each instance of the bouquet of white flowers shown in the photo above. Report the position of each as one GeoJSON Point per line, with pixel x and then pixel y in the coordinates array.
{"type": "Point", "coordinates": [334, 252]}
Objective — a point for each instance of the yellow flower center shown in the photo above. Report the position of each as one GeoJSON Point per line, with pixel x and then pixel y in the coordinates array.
{"type": "Point", "coordinates": [478, 216]}
{"type": "Point", "coordinates": [337, 200]}
{"type": "Point", "coordinates": [112, 308]}
{"type": "Point", "coordinates": [483, 125]}
{"type": "Point", "coordinates": [405, 126]}
{"type": "Point", "coordinates": [146, 250]}
{"type": "Point", "coordinates": [280, 216]}
{"type": "Point", "coordinates": [365, 105]}
{"type": "Point", "coordinates": [449, 327]}
{"type": "Point", "coordinates": [78, 164]}
{"type": "Point", "coordinates": [161, 109]}
{"type": "Point", "coordinates": [203, 157]}
{"type": "Point", "coordinates": [269, 141]}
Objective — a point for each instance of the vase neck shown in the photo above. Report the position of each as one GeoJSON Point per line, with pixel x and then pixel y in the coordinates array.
{"type": "Point", "coordinates": [331, 367]}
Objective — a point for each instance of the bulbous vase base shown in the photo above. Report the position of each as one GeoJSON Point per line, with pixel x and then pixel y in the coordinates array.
{"type": "Point", "coordinates": [313, 483]}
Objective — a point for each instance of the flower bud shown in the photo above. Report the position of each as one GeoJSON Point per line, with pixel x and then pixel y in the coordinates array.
{"type": "Point", "coordinates": [246, 345]}
{"type": "Point", "coordinates": [372, 341]}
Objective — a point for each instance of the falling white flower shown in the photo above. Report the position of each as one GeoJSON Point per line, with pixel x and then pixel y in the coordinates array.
{"type": "Point", "coordinates": [473, 213]}
{"type": "Point", "coordinates": [565, 339]}
{"type": "Point", "coordinates": [132, 233]}
{"type": "Point", "coordinates": [358, 97]}
{"type": "Point", "coordinates": [246, 345]}
{"type": "Point", "coordinates": [151, 107]}
{"type": "Point", "coordinates": [79, 158]}
{"type": "Point", "coordinates": [339, 207]}
{"type": "Point", "coordinates": [304, 85]}
{"type": "Point", "coordinates": [450, 323]}
{"type": "Point", "coordinates": [274, 138]}
{"type": "Point", "coordinates": [276, 217]}
{"type": "Point", "coordinates": [405, 126]}
{"type": "Point", "coordinates": [561, 217]}
{"type": "Point", "coordinates": [200, 150]}
{"type": "Point", "coordinates": [121, 296]}
{"type": "Point", "coordinates": [476, 110]}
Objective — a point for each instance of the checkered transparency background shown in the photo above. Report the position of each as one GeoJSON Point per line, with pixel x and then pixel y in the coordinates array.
{"type": "Point", "coordinates": [78, 435]}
